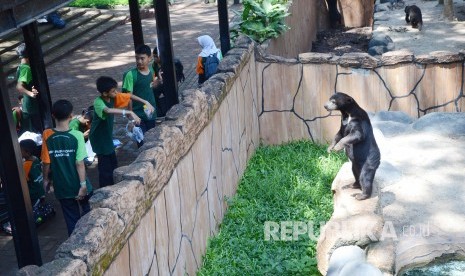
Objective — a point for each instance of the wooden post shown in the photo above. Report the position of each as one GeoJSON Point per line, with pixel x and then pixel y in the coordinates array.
{"type": "Point", "coordinates": [165, 47]}
{"type": "Point", "coordinates": [15, 186]}
{"type": "Point", "coordinates": [136, 24]}
{"type": "Point", "coordinates": [224, 26]}
{"type": "Point", "coordinates": [39, 74]}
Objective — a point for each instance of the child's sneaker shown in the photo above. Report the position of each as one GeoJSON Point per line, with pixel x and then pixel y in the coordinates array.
{"type": "Point", "coordinates": [7, 228]}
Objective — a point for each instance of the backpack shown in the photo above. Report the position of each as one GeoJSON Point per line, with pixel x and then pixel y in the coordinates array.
{"type": "Point", "coordinates": [42, 211]}
{"type": "Point", "coordinates": [179, 70]}
{"type": "Point", "coordinates": [210, 65]}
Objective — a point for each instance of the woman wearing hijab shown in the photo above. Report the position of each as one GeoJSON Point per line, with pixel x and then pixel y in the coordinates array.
{"type": "Point", "coordinates": [208, 58]}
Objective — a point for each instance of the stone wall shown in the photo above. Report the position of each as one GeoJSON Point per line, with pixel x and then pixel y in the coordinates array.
{"type": "Point", "coordinates": [156, 220]}
{"type": "Point", "coordinates": [292, 92]}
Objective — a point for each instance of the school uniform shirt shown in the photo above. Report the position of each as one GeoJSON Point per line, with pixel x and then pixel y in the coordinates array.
{"type": "Point", "coordinates": [140, 85]}
{"type": "Point", "coordinates": [101, 129]}
{"type": "Point", "coordinates": [62, 149]}
{"type": "Point", "coordinates": [24, 75]}
{"type": "Point", "coordinates": [76, 125]}
{"type": "Point", "coordinates": [34, 178]}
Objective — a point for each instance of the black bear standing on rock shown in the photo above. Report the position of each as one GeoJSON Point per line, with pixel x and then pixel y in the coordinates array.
{"type": "Point", "coordinates": [356, 136]}
{"type": "Point", "coordinates": [413, 16]}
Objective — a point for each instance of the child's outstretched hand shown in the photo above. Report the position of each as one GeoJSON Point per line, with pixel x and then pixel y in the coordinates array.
{"type": "Point", "coordinates": [33, 93]}
{"type": "Point", "coordinates": [150, 107]}
{"type": "Point", "coordinates": [136, 118]}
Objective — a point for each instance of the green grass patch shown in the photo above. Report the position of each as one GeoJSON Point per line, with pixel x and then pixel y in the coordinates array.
{"type": "Point", "coordinates": [285, 183]}
{"type": "Point", "coordinates": [105, 4]}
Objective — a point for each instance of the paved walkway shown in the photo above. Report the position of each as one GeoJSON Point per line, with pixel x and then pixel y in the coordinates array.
{"type": "Point", "coordinates": [73, 78]}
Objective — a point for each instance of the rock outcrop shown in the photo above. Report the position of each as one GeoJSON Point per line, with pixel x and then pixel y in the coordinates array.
{"type": "Point", "coordinates": [414, 216]}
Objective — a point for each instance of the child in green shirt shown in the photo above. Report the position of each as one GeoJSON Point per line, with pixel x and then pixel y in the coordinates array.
{"type": "Point", "coordinates": [32, 169]}
{"type": "Point", "coordinates": [83, 122]}
{"type": "Point", "coordinates": [31, 120]}
{"type": "Point", "coordinates": [63, 152]}
{"type": "Point", "coordinates": [139, 81]}
{"type": "Point", "coordinates": [109, 102]}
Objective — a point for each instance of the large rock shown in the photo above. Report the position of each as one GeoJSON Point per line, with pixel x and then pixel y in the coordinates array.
{"type": "Point", "coordinates": [342, 256]}
{"type": "Point", "coordinates": [450, 124]}
{"type": "Point", "coordinates": [390, 129]}
{"type": "Point", "coordinates": [393, 116]}
{"type": "Point", "coordinates": [353, 222]}
{"type": "Point", "coordinates": [415, 209]}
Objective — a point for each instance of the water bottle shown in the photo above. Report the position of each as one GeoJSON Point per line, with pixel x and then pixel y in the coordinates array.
{"type": "Point", "coordinates": [147, 112]}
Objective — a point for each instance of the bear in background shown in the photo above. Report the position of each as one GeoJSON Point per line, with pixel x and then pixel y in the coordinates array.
{"type": "Point", "coordinates": [413, 16]}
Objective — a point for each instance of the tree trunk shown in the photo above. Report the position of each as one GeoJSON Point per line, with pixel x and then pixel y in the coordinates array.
{"type": "Point", "coordinates": [449, 9]}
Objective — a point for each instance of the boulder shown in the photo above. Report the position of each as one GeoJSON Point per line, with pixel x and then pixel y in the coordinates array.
{"type": "Point", "coordinates": [444, 123]}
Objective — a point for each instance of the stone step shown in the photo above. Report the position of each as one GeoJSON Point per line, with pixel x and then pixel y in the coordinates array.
{"type": "Point", "coordinates": [82, 26]}
{"type": "Point", "coordinates": [82, 18]}
{"type": "Point", "coordinates": [13, 39]}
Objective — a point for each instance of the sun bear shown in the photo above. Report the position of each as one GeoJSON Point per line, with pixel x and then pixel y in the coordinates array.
{"type": "Point", "coordinates": [413, 16]}
{"type": "Point", "coordinates": [356, 137]}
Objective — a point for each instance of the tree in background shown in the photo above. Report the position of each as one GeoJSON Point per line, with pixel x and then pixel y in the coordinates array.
{"type": "Point", "coordinates": [448, 9]}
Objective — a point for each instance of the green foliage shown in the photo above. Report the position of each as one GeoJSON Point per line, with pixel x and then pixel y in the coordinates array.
{"type": "Point", "coordinates": [105, 4]}
{"type": "Point", "coordinates": [262, 19]}
{"type": "Point", "coordinates": [286, 183]}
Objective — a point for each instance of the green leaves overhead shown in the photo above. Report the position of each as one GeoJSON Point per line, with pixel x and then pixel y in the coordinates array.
{"type": "Point", "coordinates": [262, 19]}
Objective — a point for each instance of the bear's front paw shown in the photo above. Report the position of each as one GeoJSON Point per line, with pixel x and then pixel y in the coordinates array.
{"type": "Point", "coordinates": [338, 147]}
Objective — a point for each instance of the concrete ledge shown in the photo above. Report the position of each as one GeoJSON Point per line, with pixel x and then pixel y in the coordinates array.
{"type": "Point", "coordinates": [364, 60]}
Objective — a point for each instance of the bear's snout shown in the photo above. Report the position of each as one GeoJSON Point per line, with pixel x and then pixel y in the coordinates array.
{"type": "Point", "coordinates": [330, 106]}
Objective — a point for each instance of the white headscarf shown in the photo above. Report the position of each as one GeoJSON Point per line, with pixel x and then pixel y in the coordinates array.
{"type": "Point", "coordinates": [208, 46]}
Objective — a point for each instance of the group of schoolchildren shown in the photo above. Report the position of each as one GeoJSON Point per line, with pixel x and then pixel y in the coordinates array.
{"type": "Point", "coordinates": [61, 167]}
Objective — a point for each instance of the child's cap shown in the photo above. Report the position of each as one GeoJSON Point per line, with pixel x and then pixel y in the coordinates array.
{"type": "Point", "coordinates": [28, 145]}
{"type": "Point", "coordinates": [21, 50]}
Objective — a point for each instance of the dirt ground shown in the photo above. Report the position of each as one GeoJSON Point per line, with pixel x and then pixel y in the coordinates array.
{"type": "Point", "coordinates": [437, 33]}
{"type": "Point", "coordinates": [342, 40]}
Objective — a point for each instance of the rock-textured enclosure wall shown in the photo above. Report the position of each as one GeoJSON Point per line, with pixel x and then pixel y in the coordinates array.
{"type": "Point", "coordinates": [304, 15]}
{"type": "Point", "coordinates": [156, 220]}
{"type": "Point", "coordinates": [307, 17]}
{"type": "Point", "coordinates": [292, 92]}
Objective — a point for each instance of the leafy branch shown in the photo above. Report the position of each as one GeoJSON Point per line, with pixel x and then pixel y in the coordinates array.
{"type": "Point", "coordinates": [262, 19]}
